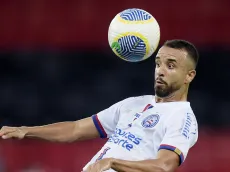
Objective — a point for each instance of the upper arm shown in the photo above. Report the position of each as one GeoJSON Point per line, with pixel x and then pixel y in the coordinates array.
{"type": "Point", "coordinates": [102, 124]}
{"type": "Point", "coordinates": [181, 134]}
{"type": "Point", "coordinates": [168, 159]}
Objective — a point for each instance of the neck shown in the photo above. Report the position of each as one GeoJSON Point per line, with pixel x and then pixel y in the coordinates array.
{"type": "Point", "coordinates": [177, 96]}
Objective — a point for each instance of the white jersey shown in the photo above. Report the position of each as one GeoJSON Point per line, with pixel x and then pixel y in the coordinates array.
{"type": "Point", "coordinates": [138, 128]}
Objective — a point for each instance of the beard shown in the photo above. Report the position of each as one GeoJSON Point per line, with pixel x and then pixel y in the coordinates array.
{"type": "Point", "coordinates": [164, 89]}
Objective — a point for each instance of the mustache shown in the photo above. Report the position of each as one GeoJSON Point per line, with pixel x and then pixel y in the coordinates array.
{"type": "Point", "coordinates": [161, 80]}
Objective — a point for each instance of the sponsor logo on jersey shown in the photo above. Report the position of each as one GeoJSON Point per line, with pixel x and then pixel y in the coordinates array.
{"type": "Point", "coordinates": [150, 121]}
{"type": "Point", "coordinates": [125, 139]}
{"type": "Point", "coordinates": [187, 125]}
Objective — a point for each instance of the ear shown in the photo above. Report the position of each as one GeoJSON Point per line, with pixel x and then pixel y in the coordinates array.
{"type": "Point", "coordinates": [190, 76]}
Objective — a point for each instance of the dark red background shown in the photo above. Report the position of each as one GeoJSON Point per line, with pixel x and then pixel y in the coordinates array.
{"type": "Point", "coordinates": [208, 155]}
{"type": "Point", "coordinates": [81, 23]}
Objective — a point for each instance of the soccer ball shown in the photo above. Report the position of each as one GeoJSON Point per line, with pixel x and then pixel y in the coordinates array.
{"type": "Point", "coordinates": [134, 35]}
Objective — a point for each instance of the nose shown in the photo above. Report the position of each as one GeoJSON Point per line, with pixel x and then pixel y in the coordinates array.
{"type": "Point", "coordinates": [160, 71]}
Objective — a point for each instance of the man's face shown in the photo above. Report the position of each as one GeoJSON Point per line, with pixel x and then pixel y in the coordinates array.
{"type": "Point", "coordinates": [170, 71]}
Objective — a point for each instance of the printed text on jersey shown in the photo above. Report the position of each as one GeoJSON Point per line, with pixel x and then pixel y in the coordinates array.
{"type": "Point", "coordinates": [126, 140]}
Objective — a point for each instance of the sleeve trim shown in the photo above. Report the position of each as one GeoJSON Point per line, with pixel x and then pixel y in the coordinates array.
{"type": "Point", "coordinates": [174, 149]}
{"type": "Point", "coordinates": [99, 127]}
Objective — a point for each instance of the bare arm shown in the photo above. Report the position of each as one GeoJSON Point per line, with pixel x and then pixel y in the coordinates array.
{"type": "Point", "coordinates": [167, 161]}
{"type": "Point", "coordinates": [57, 132]}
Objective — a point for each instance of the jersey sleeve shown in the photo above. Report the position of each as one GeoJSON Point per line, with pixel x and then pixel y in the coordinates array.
{"type": "Point", "coordinates": [181, 133]}
{"type": "Point", "coordinates": [106, 120]}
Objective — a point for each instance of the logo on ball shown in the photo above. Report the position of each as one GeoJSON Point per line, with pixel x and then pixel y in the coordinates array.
{"type": "Point", "coordinates": [130, 48]}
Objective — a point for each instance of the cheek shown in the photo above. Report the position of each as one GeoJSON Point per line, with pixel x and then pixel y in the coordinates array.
{"type": "Point", "coordinates": [182, 78]}
{"type": "Point", "coordinates": [176, 77]}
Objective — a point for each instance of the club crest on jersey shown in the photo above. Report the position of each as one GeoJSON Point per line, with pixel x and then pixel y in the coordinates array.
{"type": "Point", "coordinates": [150, 121]}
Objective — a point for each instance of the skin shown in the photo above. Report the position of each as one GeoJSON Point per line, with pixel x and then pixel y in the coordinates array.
{"type": "Point", "coordinates": [174, 71]}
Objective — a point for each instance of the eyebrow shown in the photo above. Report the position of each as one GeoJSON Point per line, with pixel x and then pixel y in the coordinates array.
{"type": "Point", "coordinates": [170, 60]}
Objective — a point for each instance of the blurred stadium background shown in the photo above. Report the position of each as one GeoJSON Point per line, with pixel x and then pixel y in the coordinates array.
{"type": "Point", "coordinates": [56, 65]}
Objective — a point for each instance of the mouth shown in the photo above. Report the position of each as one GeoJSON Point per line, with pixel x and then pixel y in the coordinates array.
{"type": "Point", "coordinates": [160, 82]}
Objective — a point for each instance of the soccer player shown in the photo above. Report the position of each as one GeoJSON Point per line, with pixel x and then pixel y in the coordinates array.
{"type": "Point", "coordinates": [147, 133]}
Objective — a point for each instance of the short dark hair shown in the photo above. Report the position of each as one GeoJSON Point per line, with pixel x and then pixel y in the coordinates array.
{"type": "Point", "coordinates": [184, 45]}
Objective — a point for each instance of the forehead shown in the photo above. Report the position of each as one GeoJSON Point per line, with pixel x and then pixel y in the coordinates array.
{"type": "Point", "coordinates": [170, 53]}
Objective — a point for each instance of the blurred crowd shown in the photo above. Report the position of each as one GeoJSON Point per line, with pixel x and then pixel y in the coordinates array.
{"type": "Point", "coordinates": [41, 88]}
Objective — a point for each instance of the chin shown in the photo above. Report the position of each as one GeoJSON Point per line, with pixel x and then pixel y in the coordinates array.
{"type": "Point", "coordinates": [160, 92]}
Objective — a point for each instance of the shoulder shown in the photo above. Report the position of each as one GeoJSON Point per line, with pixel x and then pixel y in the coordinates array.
{"type": "Point", "coordinates": [179, 108]}
{"type": "Point", "coordinates": [181, 113]}
{"type": "Point", "coordinates": [138, 100]}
